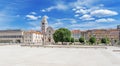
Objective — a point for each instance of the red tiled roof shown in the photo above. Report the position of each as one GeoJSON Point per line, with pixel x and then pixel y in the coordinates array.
{"type": "Point", "coordinates": [75, 31]}
{"type": "Point", "coordinates": [32, 31]}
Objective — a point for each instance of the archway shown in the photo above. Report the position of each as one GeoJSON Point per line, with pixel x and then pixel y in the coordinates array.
{"type": "Point", "coordinates": [49, 39]}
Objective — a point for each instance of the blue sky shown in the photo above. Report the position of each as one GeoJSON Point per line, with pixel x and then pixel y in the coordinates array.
{"type": "Point", "coordinates": [71, 14]}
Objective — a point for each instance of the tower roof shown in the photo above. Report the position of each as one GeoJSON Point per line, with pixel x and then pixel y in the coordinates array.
{"type": "Point", "coordinates": [44, 19]}
{"type": "Point", "coordinates": [49, 27]}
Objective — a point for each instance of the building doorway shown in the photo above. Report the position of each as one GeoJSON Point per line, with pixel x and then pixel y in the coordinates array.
{"type": "Point", "coordinates": [49, 39]}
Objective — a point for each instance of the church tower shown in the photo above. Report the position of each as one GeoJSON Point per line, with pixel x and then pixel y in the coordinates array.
{"type": "Point", "coordinates": [46, 31]}
{"type": "Point", "coordinates": [44, 24]}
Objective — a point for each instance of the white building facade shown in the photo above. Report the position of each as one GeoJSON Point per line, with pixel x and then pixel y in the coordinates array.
{"type": "Point", "coordinates": [33, 37]}
{"type": "Point", "coordinates": [20, 36]}
{"type": "Point", "coordinates": [76, 34]}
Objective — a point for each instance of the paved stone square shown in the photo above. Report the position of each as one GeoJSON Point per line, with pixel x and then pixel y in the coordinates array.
{"type": "Point", "coordinates": [15, 55]}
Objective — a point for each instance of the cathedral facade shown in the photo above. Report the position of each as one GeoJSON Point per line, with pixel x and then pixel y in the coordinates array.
{"type": "Point", "coordinates": [47, 31]}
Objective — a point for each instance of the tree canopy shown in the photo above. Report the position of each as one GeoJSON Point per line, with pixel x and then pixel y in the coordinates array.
{"type": "Point", "coordinates": [62, 35]}
{"type": "Point", "coordinates": [81, 40]}
{"type": "Point", "coordinates": [72, 40]}
{"type": "Point", "coordinates": [105, 40]}
{"type": "Point", "coordinates": [92, 40]}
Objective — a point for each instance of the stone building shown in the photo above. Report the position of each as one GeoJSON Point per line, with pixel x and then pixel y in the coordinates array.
{"type": "Point", "coordinates": [11, 36]}
{"type": "Point", "coordinates": [47, 31]}
{"type": "Point", "coordinates": [112, 34]}
{"type": "Point", "coordinates": [118, 28]}
{"type": "Point", "coordinates": [49, 34]}
{"type": "Point", "coordinates": [98, 33]}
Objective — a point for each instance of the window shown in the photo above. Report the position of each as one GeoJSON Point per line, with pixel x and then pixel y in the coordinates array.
{"type": "Point", "coordinates": [42, 23]}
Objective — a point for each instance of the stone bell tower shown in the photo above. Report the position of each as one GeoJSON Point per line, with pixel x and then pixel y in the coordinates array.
{"type": "Point", "coordinates": [44, 24]}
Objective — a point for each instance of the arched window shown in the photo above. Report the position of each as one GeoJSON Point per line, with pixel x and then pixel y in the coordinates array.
{"type": "Point", "coordinates": [43, 23]}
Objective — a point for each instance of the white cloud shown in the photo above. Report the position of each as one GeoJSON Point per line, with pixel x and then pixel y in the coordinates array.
{"type": "Point", "coordinates": [57, 25]}
{"type": "Point", "coordinates": [34, 25]}
{"type": "Point", "coordinates": [93, 25]}
{"type": "Point", "coordinates": [32, 17]}
{"type": "Point", "coordinates": [47, 17]}
{"type": "Point", "coordinates": [103, 13]}
{"type": "Point", "coordinates": [39, 16]}
{"type": "Point", "coordinates": [83, 7]}
{"type": "Point", "coordinates": [86, 24]}
{"type": "Point", "coordinates": [58, 6]}
{"type": "Point", "coordinates": [101, 5]}
{"type": "Point", "coordinates": [33, 13]}
{"type": "Point", "coordinates": [43, 10]}
{"type": "Point", "coordinates": [81, 4]}
{"type": "Point", "coordinates": [106, 20]}
{"type": "Point", "coordinates": [67, 20]}
{"type": "Point", "coordinates": [86, 17]}
{"type": "Point", "coordinates": [73, 21]}
{"type": "Point", "coordinates": [105, 27]}
{"type": "Point", "coordinates": [82, 11]}
{"type": "Point", "coordinates": [74, 9]}
{"type": "Point", "coordinates": [77, 11]}
{"type": "Point", "coordinates": [76, 15]}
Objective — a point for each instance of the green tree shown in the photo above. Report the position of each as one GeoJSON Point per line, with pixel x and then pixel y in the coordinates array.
{"type": "Point", "coordinates": [81, 40]}
{"type": "Point", "coordinates": [72, 40]}
{"type": "Point", "coordinates": [105, 40]}
{"type": "Point", "coordinates": [92, 40]}
{"type": "Point", "coordinates": [67, 39]}
{"type": "Point", "coordinates": [115, 41]}
{"type": "Point", "coordinates": [55, 37]}
{"type": "Point", "coordinates": [62, 35]}
{"type": "Point", "coordinates": [108, 40]}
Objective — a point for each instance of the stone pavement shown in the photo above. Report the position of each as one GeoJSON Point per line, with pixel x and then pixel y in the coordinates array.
{"type": "Point", "coordinates": [16, 55]}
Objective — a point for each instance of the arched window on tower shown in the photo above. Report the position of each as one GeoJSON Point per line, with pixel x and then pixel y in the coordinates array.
{"type": "Point", "coordinates": [49, 31]}
{"type": "Point", "coordinates": [43, 23]}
